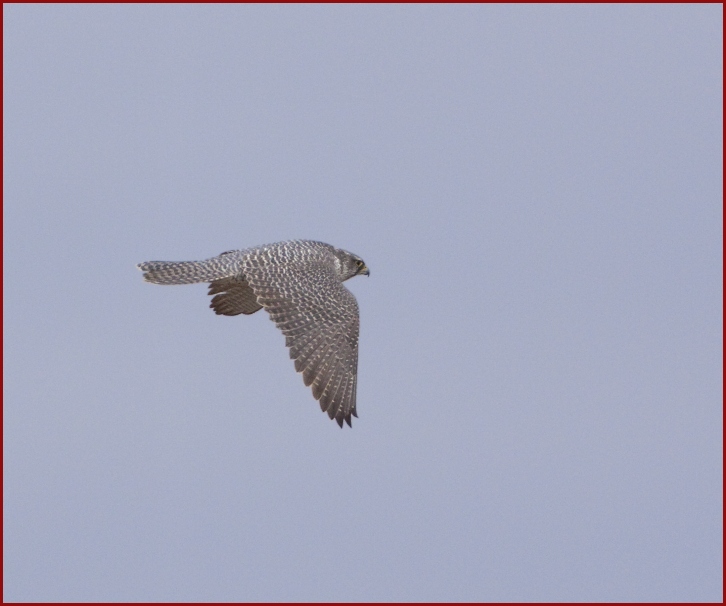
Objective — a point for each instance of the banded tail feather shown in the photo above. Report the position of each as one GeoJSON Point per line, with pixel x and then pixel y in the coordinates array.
{"type": "Point", "coordinates": [190, 272]}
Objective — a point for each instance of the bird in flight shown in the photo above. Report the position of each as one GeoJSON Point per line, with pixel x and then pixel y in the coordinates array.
{"type": "Point", "coordinates": [300, 284]}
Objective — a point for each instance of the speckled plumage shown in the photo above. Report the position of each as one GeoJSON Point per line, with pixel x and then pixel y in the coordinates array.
{"type": "Point", "coordinates": [300, 284]}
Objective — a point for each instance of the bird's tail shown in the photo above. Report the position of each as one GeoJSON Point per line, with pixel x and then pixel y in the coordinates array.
{"type": "Point", "coordinates": [189, 272]}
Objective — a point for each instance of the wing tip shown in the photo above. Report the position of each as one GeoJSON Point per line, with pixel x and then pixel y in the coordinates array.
{"type": "Point", "coordinates": [340, 418]}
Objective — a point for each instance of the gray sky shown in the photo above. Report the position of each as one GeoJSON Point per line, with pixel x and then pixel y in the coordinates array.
{"type": "Point", "coordinates": [538, 193]}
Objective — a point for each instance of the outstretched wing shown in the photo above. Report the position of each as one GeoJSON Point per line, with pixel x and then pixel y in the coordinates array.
{"type": "Point", "coordinates": [320, 321]}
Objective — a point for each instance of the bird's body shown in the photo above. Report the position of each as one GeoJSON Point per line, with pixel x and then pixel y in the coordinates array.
{"type": "Point", "coordinates": [300, 284]}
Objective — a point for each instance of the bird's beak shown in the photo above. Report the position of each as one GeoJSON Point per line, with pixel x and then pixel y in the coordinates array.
{"type": "Point", "coordinates": [365, 271]}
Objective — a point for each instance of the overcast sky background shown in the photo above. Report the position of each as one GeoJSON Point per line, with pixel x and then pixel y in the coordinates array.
{"type": "Point", "coordinates": [537, 191]}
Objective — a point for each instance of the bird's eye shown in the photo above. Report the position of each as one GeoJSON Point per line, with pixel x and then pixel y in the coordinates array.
{"type": "Point", "coordinates": [359, 263]}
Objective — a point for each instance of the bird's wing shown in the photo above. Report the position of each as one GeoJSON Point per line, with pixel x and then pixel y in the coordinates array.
{"type": "Point", "coordinates": [319, 318]}
{"type": "Point", "coordinates": [233, 296]}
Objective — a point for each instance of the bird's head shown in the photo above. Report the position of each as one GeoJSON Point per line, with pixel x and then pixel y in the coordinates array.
{"type": "Point", "coordinates": [351, 265]}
